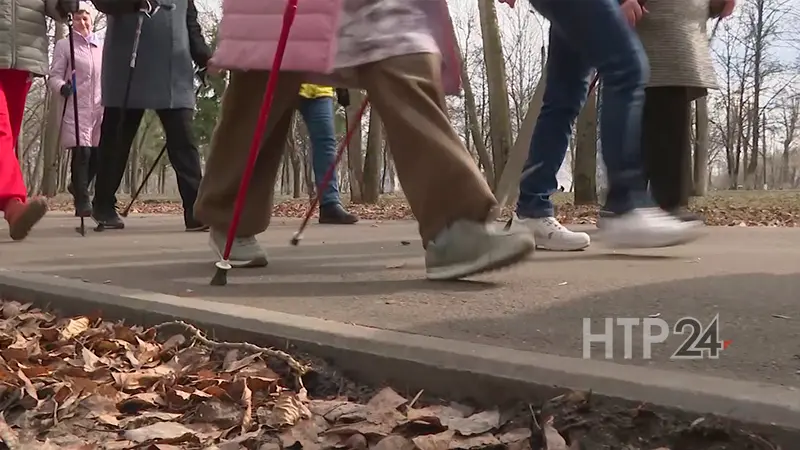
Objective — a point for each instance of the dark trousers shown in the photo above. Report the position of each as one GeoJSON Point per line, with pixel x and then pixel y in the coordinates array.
{"type": "Point", "coordinates": [666, 144]}
{"type": "Point", "coordinates": [115, 146]}
{"type": "Point", "coordinates": [83, 165]}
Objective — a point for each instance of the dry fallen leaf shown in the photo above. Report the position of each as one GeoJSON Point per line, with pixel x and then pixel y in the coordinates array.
{"type": "Point", "coordinates": [440, 441]}
{"type": "Point", "coordinates": [247, 402]}
{"type": "Point", "coordinates": [394, 442]}
{"type": "Point", "coordinates": [439, 415]}
{"type": "Point", "coordinates": [288, 410]}
{"type": "Point", "coordinates": [171, 431]}
{"type": "Point", "coordinates": [305, 432]}
{"type": "Point", "coordinates": [552, 437]}
{"type": "Point", "coordinates": [74, 328]}
{"type": "Point", "coordinates": [477, 441]}
{"type": "Point", "coordinates": [477, 423]}
{"type": "Point", "coordinates": [387, 398]}
{"type": "Point", "coordinates": [515, 435]}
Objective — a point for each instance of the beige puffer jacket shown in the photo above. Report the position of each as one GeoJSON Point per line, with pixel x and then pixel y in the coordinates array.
{"type": "Point", "coordinates": [23, 34]}
{"type": "Point", "coordinates": [674, 37]}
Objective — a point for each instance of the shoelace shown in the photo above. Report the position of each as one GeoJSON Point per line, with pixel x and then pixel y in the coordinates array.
{"type": "Point", "coordinates": [551, 222]}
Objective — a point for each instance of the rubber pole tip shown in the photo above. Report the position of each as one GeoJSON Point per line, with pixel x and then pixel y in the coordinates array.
{"type": "Point", "coordinates": [124, 214]}
{"type": "Point", "coordinates": [296, 239]}
{"type": "Point", "coordinates": [221, 276]}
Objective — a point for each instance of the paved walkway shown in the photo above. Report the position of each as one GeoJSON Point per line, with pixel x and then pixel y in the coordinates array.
{"type": "Point", "coordinates": [372, 274]}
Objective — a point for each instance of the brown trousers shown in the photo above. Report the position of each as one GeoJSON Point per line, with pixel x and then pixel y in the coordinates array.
{"type": "Point", "coordinates": [441, 182]}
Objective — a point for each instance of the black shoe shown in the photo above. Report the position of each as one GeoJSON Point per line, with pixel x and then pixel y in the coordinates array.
{"type": "Point", "coordinates": [108, 220]}
{"type": "Point", "coordinates": [196, 227]}
{"type": "Point", "coordinates": [83, 208]}
{"type": "Point", "coordinates": [335, 214]}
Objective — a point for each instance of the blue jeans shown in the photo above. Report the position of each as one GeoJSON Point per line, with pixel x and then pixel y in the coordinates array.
{"type": "Point", "coordinates": [586, 34]}
{"type": "Point", "coordinates": [318, 115]}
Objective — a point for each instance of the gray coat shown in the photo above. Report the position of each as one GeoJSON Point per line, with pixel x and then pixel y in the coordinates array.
{"type": "Point", "coordinates": [23, 34]}
{"type": "Point", "coordinates": [170, 41]}
{"type": "Point", "coordinates": [673, 35]}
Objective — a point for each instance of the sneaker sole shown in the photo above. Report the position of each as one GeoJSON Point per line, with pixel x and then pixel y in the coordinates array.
{"type": "Point", "coordinates": [692, 234]}
{"type": "Point", "coordinates": [32, 215]}
{"type": "Point", "coordinates": [501, 258]}
{"type": "Point", "coordinates": [260, 261]}
{"type": "Point", "coordinates": [562, 249]}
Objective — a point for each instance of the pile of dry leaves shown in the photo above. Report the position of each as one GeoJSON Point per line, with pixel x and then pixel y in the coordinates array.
{"type": "Point", "coordinates": [83, 383]}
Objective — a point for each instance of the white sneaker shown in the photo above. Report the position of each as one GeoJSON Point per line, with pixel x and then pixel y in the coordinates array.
{"type": "Point", "coordinates": [647, 228]}
{"type": "Point", "coordinates": [245, 251]}
{"type": "Point", "coordinates": [551, 235]}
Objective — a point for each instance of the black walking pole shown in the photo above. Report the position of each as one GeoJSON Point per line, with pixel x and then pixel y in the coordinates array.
{"type": "Point", "coordinates": [148, 10]}
{"type": "Point", "coordinates": [71, 27]}
{"type": "Point", "coordinates": [127, 209]}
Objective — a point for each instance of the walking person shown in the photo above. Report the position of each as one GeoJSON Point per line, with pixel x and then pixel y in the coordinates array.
{"type": "Point", "coordinates": [88, 67]}
{"type": "Point", "coordinates": [170, 41]}
{"type": "Point", "coordinates": [586, 35]}
{"type": "Point", "coordinates": [317, 109]}
{"type": "Point", "coordinates": [23, 55]}
{"type": "Point", "coordinates": [395, 49]}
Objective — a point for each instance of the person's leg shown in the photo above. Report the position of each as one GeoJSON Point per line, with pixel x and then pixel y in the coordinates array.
{"type": "Point", "coordinates": [94, 158]}
{"type": "Point", "coordinates": [230, 148]}
{"type": "Point", "coordinates": [598, 31]}
{"type": "Point", "coordinates": [445, 189]}
{"type": "Point", "coordinates": [318, 115]}
{"type": "Point", "coordinates": [666, 147]}
{"type": "Point", "coordinates": [79, 166]}
{"type": "Point", "coordinates": [185, 160]}
{"type": "Point", "coordinates": [564, 96]}
{"type": "Point", "coordinates": [115, 147]}
{"type": "Point", "coordinates": [20, 214]}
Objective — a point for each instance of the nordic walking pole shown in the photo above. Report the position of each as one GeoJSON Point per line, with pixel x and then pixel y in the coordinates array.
{"type": "Point", "coordinates": [71, 27]}
{"type": "Point", "coordinates": [147, 11]}
{"type": "Point", "coordinates": [144, 181]}
{"type": "Point", "coordinates": [127, 209]}
{"type": "Point", "coordinates": [350, 128]}
{"type": "Point", "coordinates": [223, 265]}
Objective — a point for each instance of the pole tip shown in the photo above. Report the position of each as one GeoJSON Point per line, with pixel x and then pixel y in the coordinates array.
{"type": "Point", "coordinates": [221, 276]}
{"type": "Point", "coordinates": [296, 239]}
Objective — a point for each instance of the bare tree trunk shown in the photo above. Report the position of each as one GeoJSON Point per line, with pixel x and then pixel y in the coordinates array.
{"type": "Point", "coordinates": [50, 145]}
{"type": "Point", "coordinates": [585, 176]}
{"type": "Point", "coordinates": [499, 112]}
{"type": "Point", "coordinates": [700, 187]}
{"type": "Point", "coordinates": [372, 163]}
{"type": "Point", "coordinates": [354, 156]}
{"type": "Point", "coordinates": [472, 123]}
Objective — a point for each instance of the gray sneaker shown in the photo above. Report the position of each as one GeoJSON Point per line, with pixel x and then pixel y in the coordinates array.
{"type": "Point", "coordinates": [468, 248]}
{"type": "Point", "coordinates": [245, 251]}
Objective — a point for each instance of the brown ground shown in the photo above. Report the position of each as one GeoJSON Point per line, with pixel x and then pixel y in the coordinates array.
{"type": "Point", "coordinates": [725, 208]}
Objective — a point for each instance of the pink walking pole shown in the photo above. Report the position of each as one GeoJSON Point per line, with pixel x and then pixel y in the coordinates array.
{"type": "Point", "coordinates": [223, 266]}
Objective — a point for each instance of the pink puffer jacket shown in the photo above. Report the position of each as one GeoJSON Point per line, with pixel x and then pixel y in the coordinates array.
{"type": "Point", "coordinates": [88, 63]}
{"type": "Point", "coordinates": [250, 29]}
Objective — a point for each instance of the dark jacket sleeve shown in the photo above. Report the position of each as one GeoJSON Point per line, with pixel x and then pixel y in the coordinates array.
{"type": "Point", "coordinates": [115, 7]}
{"type": "Point", "coordinates": [198, 48]}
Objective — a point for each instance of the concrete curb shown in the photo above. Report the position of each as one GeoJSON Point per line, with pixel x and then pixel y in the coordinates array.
{"type": "Point", "coordinates": [453, 369]}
